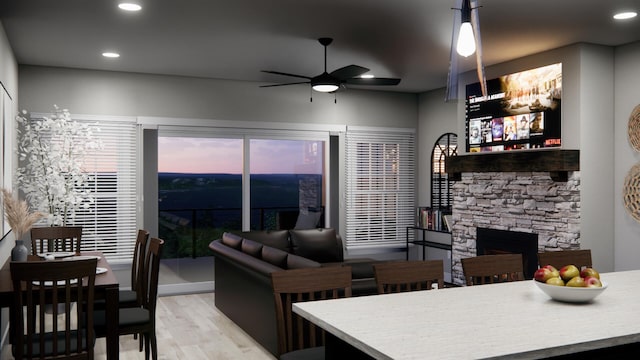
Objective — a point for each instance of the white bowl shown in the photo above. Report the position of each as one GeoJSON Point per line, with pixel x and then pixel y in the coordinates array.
{"type": "Point", "coordinates": [571, 294]}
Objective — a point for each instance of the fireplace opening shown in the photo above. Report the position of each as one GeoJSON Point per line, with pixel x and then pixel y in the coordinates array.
{"type": "Point", "coordinates": [493, 241]}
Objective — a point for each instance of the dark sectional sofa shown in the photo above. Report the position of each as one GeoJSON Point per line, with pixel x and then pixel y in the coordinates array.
{"type": "Point", "coordinates": [244, 262]}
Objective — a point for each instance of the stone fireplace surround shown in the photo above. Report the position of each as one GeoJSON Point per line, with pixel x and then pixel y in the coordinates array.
{"type": "Point", "coordinates": [535, 191]}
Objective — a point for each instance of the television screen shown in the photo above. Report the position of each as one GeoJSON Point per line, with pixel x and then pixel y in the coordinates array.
{"type": "Point", "coordinates": [520, 111]}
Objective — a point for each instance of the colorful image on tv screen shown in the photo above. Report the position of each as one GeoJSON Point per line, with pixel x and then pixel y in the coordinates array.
{"type": "Point", "coordinates": [521, 111]}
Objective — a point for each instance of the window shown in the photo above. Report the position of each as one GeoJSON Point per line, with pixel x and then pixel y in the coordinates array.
{"type": "Point", "coordinates": [110, 224]}
{"type": "Point", "coordinates": [380, 186]}
{"type": "Point", "coordinates": [445, 146]}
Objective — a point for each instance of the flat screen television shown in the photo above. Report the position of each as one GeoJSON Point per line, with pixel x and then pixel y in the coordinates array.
{"type": "Point", "coordinates": [521, 111]}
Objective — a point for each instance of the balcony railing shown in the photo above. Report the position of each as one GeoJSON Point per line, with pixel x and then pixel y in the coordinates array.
{"type": "Point", "coordinates": [199, 226]}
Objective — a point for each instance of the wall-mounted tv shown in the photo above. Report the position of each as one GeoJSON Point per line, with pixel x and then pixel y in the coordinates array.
{"type": "Point", "coordinates": [520, 111]}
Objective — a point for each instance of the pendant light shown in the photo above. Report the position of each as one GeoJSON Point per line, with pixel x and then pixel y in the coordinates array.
{"type": "Point", "coordinates": [466, 44]}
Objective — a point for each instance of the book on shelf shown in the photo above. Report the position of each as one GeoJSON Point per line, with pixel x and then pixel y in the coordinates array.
{"type": "Point", "coordinates": [431, 219]}
{"type": "Point", "coordinates": [447, 222]}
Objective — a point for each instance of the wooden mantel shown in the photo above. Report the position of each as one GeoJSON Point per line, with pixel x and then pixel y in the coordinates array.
{"type": "Point", "coordinates": [557, 162]}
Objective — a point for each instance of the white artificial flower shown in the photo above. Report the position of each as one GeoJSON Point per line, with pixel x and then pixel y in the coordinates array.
{"type": "Point", "coordinates": [52, 151]}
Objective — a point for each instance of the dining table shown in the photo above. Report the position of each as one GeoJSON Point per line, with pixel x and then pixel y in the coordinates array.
{"type": "Point", "coordinates": [514, 320]}
{"type": "Point", "coordinates": [106, 288]}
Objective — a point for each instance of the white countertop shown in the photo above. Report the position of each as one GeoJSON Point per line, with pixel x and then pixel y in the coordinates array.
{"type": "Point", "coordinates": [514, 320]}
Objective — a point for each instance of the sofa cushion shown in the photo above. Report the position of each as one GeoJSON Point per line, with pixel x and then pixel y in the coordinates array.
{"type": "Point", "coordinates": [275, 256]}
{"type": "Point", "coordinates": [298, 262]}
{"type": "Point", "coordinates": [316, 244]}
{"type": "Point", "coordinates": [275, 238]}
{"type": "Point", "coordinates": [232, 240]}
{"type": "Point", "coordinates": [252, 248]}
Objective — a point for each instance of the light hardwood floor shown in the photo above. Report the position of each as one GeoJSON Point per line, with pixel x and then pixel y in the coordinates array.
{"type": "Point", "coordinates": [189, 327]}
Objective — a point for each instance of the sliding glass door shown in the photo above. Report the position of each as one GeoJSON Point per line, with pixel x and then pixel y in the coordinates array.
{"type": "Point", "coordinates": [212, 182]}
{"type": "Point", "coordinates": [286, 184]}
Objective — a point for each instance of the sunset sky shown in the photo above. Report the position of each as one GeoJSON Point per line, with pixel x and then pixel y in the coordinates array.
{"type": "Point", "coordinates": [215, 155]}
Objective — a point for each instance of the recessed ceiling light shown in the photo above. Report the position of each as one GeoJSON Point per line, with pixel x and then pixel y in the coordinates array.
{"type": "Point", "coordinates": [110, 54]}
{"type": "Point", "coordinates": [129, 7]}
{"type": "Point", "coordinates": [625, 15]}
{"type": "Point", "coordinates": [367, 76]}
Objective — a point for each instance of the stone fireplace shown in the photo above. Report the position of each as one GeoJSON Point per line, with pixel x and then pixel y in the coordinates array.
{"type": "Point", "coordinates": [534, 192]}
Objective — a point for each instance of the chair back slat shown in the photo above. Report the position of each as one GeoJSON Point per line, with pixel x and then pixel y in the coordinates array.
{"type": "Point", "coordinates": [47, 285]}
{"type": "Point", "coordinates": [291, 286]}
{"type": "Point", "coordinates": [56, 239]}
{"type": "Point", "coordinates": [558, 259]}
{"type": "Point", "coordinates": [489, 269]}
{"type": "Point", "coordinates": [400, 276]}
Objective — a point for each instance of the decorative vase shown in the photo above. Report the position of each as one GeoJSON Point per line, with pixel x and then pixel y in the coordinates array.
{"type": "Point", "coordinates": [19, 252]}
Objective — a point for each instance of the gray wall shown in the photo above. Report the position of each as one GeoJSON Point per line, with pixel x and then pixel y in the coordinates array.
{"type": "Point", "coordinates": [599, 92]}
{"type": "Point", "coordinates": [9, 80]}
{"type": "Point", "coordinates": [627, 97]}
{"type": "Point", "coordinates": [115, 93]}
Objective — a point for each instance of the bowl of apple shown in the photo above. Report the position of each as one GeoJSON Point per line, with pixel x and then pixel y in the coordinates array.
{"type": "Point", "coordinates": [569, 284]}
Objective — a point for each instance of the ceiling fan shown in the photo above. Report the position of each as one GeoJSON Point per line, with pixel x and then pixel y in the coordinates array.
{"type": "Point", "coordinates": [331, 82]}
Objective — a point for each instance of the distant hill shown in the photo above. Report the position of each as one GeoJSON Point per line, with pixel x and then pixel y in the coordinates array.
{"type": "Point", "coordinates": [202, 191]}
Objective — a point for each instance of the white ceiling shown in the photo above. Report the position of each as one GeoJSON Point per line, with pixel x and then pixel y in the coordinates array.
{"type": "Point", "coordinates": [235, 39]}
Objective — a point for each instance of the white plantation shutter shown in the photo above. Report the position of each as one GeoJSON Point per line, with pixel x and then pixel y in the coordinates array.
{"type": "Point", "coordinates": [380, 188]}
{"type": "Point", "coordinates": [110, 225]}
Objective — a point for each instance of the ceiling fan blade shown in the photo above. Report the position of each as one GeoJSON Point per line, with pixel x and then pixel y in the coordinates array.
{"type": "Point", "coordinates": [295, 83]}
{"type": "Point", "coordinates": [348, 72]}
{"type": "Point", "coordinates": [286, 74]}
{"type": "Point", "coordinates": [373, 81]}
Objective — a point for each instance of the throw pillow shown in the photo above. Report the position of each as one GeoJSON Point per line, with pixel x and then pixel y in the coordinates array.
{"type": "Point", "coordinates": [252, 248]}
{"type": "Point", "coordinates": [308, 219]}
{"type": "Point", "coordinates": [275, 256]}
{"type": "Point", "coordinates": [231, 240]}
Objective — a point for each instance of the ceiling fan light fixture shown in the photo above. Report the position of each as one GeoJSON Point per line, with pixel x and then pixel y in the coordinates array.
{"type": "Point", "coordinates": [325, 83]}
{"type": "Point", "coordinates": [367, 76]}
{"type": "Point", "coordinates": [466, 44]}
{"type": "Point", "coordinates": [324, 87]}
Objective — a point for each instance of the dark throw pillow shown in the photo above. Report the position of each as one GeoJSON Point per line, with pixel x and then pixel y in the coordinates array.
{"type": "Point", "coordinates": [232, 240]}
{"type": "Point", "coordinates": [252, 248]}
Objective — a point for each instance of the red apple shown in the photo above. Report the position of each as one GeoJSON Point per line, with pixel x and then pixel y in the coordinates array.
{"type": "Point", "coordinates": [586, 272]}
{"type": "Point", "coordinates": [554, 271]}
{"type": "Point", "coordinates": [542, 274]}
{"type": "Point", "coordinates": [568, 272]}
{"type": "Point", "coordinates": [592, 281]}
{"type": "Point", "coordinates": [576, 281]}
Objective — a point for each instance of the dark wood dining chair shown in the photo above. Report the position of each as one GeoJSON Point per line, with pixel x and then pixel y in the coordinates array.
{"type": "Point", "coordinates": [55, 239]}
{"type": "Point", "coordinates": [133, 297]}
{"type": "Point", "coordinates": [298, 338]}
{"type": "Point", "coordinates": [488, 269]}
{"type": "Point", "coordinates": [558, 259]}
{"type": "Point", "coordinates": [399, 276]}
{"type": "Point", "coordinates": [140, 320]}
{"type": "Point", "coordinates": [59, 284]}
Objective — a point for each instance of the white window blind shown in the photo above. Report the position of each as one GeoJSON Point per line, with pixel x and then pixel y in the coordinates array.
{"type": "Point", "coordinates": [380, 189]}
{"type": "Point", "coordinates": [110, 224]}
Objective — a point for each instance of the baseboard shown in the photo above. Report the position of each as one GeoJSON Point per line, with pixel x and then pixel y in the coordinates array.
{"type": "Point", "coordinates": [186, 288]}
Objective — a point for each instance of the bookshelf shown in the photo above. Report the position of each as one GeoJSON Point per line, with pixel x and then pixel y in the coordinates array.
{"type": "Point", "coordinates": [437, 240]}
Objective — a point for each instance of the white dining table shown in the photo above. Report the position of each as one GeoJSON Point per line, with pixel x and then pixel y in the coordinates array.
{"type": "Point", "coordinates": [509, 320]}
